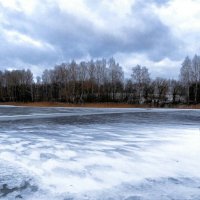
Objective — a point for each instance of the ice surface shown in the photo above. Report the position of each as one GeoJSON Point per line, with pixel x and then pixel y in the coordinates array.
{"type": "Point", "coordinates": [104, 154]}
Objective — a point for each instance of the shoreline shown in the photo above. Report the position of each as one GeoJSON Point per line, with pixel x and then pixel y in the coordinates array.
{"type": "Point", "coordinates": [95, 105]}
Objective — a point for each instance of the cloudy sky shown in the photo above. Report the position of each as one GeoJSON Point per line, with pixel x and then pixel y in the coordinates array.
{"type": "Point", "coordinates": [38, 34]}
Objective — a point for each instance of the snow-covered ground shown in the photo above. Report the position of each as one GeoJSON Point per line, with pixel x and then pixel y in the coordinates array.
{"type": "Point", "coordinates": [104, 154]}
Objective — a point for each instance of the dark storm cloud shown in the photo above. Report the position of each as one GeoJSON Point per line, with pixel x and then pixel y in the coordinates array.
{"type": "Point", "coordinates": [156, 41]}
{"type": "Point", "coordinates": [12, 52]}
{"type": "Point", "coordinates": [150, 37]}
{"type": "Point", "coordinates": [74, 37]}
{"type": "Point", "coordinates": [67, 34]}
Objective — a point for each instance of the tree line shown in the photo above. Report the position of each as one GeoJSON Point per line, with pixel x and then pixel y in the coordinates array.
{"type": "Point", "coordinates": [101, 81]}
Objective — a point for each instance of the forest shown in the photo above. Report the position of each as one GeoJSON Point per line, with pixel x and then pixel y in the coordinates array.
{"type": "Point", "coordinates": [101, 81]}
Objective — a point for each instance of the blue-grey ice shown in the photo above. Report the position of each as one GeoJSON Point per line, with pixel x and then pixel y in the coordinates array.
{"type": "Point", "coordinates": [99, 154]}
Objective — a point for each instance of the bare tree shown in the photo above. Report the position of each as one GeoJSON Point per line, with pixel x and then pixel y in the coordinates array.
{"type": "Point", "coordinates": [196, 75]}
{"type": "Point", "coordinates": [186, 75]}
{"type": "Point", "coordinates": [141, 78]}
{"type": "Point", "coordinates": [116, 77]}
{"type": "Point", "coordinates": [161, 89]}
{"type": "Point", "coordinates": [176, 90]}
{"type": "Point", "coordinates": [100, 75]}
{"type": "Point", "coordinates": [73, 78]}
{"type": "Point", "coordinates": [83, 76]}
{"type": "Point", "coordinates": [1, 85]}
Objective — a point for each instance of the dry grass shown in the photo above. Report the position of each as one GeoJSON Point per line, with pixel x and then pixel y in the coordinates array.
{"type": "Point", "coordinates": [93, 105]}
{"type": "Point", "coordinates": [197, 106]}
{"type": "Point", "coordinates": [90, 105]}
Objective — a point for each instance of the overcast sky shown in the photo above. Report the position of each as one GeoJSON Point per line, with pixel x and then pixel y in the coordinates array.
{"type": "Point", "coordinates": [38, 34]}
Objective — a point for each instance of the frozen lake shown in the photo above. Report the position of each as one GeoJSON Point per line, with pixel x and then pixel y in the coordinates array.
{"type": "Point", "coordinates": [99, 154]}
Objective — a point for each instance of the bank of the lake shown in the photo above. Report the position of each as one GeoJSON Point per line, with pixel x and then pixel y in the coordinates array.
{"type": "Point", "coordinates": [98, 105]}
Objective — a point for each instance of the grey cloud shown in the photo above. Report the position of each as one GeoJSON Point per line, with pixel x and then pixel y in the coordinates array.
{"type": "Point", "coordinates": [74, 38]}
{"type": "Point", "coordinates": [66, 33]}
{"type": "Point", "coordinates": [149, 37]}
